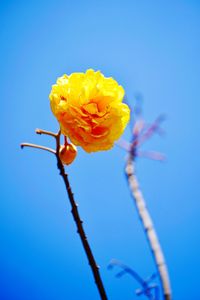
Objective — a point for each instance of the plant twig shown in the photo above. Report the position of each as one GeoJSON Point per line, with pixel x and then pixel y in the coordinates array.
{"type": "Point", "coordinates": [38, 147]}
{"type": "Point", "coordinates": [148, 227]}
{"type": "Point", "coordinates": [74, 211]}
{"type": "Point", "coordinates": [79, 224]}
{"type": "Point", "coordinates": [149, 289]}
{"type": "Point", "coordinates": [41, 131]}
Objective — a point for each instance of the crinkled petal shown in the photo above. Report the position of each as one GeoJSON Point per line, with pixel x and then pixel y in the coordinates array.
{"type": "Point", "coordinates": [89, 108]}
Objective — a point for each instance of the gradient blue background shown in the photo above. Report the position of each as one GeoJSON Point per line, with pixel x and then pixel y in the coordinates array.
{"type": "Point", "coordinates": [149, 46]}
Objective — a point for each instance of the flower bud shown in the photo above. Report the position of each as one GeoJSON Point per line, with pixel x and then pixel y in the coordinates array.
{"type": "Point", "coordinates": [68, 153]}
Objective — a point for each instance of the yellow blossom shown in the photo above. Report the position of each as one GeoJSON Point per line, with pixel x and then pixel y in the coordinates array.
{"type": "Point", "coordinates": [67, 153]}
{"type": "Point", "coordinates": [89, 108]}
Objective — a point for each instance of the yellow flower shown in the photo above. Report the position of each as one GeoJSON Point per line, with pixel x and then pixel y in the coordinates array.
{"type": "Point", "coordinates": [67, 153]}
{"type": "Point", "coordinates": [89, 108]}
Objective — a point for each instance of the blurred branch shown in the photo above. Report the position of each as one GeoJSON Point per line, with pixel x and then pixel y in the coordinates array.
{"type": "Point", "coordinates": [139, 135]}
{"type": "Point", "coordinates": [74, 211]}
{"type": "Point", "coordinates": [150, 290]}
{"type": "Point", "coordinates": [148, 227]}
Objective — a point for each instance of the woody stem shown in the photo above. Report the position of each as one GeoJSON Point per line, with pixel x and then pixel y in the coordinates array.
{"type": "Point", "coordinates": [41, 131]}
{"type": "Point", "coordinates": [38, 147]}
{"type": "Point", "coordinates": [74, 210]}
{"type": "Point", "coordinates": [148, 227]}
{"type": "Point", "coordinates": [79, 224]}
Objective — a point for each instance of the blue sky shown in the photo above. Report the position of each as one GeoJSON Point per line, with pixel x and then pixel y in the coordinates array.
{"type": "Point", "coordinates": [151, 47]}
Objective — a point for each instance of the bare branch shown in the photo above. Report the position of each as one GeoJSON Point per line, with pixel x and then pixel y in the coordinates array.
{"type": "Point", "coordinates": [41, 131]}
{"type": "Point", "coordinates": [148, 227]}
{"type": "Point", "coordinates": [38, 147]}
{"type": "Point", "coordinates": [79, 224]}
{"type": "Point", "coordinates": [74, 211]}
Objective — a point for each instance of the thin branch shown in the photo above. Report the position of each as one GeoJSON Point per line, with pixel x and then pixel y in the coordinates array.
{"type": "Point", "coordinates": [148, 227]}
{"type": "Point", "coordinates": [150, 290]}
{"type": "Point", "coordinates": [38, 147]}
{"type": "Point", "coordinates": [155, 126]}
{"type": "Point", "coordinates": [41, 131]}
{"type": "Point", "coordinates": [75, 213]}
{"type": "Point", "coordinates": [126, 269]}
{"type": "Point", "coordinates": [79, 223]}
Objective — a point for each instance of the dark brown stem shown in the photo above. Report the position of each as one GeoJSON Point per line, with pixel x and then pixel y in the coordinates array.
{"type": "Point", "coordinates": [75, 213]}
{"type": "Point", "coordinates": [148, 228]}
{"type": "Point", "coordinates": [79, 224]}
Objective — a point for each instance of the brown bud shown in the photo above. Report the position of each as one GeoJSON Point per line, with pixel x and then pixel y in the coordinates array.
{"type": "Point", "coordinates": [67, 153]}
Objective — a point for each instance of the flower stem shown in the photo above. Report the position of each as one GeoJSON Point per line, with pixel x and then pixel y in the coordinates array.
{"type": "Point", "coordinates": [75, 213]}
{"type": "Point", "coordinates": [148, 227]}
{"type": "Point", "coordinates": [79, 224]}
